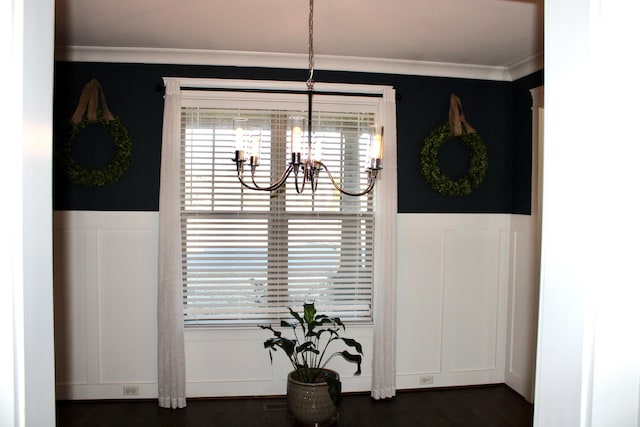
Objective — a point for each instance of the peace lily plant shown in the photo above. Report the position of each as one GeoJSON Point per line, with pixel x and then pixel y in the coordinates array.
{"type": "Point", "coordinates": [312, 346]}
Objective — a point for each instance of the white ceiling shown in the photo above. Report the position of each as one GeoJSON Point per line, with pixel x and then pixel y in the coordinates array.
{"type": "Point", "coordinates": [487, 33]}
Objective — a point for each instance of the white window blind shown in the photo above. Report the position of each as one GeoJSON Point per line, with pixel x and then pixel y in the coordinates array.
{"type": "Point", "coordinates": [248, 255]}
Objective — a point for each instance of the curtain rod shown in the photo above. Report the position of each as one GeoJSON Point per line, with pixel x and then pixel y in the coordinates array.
{"type": "Point", "coordinates": [291, 91]}
{"type": "Point", "coordinates": [161, 88]}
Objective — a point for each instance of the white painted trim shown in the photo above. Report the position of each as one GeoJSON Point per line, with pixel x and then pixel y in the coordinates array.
{"type": "Point", "coordinates": [526, 66]}
{"type": "Point", "coordinates": [27, 393]}
{"type": "Point", "coordinates": [296, 61]}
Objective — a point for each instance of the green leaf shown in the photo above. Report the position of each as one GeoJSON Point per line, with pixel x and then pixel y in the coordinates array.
{"type": "Point", "coordinates": [337, 321]}
{"type": "Point", "coordinates": [276, 333]}
{"type": "Point", "coordinates": [286, 324]}
{"type": "Point", "coordinates": [299, 319]}
{"type": "Point", "coordinates": [296, 315]}
{"type": "Point", "coordinates": [309, 312]}
{"type": "Point", "coordinates": [286, 344]}
{"type": "Point", "coordinates": [353, 358]}
{"type": "Point", "coordinates": [353, 343]}
{"type": "Point", "coordinates": [307, 346]}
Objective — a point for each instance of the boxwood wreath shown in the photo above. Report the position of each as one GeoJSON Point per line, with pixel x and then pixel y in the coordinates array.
{"type": "Point", "coordinates": [437, 179]}
{"type": "Point", "coordinates": [92, 177]}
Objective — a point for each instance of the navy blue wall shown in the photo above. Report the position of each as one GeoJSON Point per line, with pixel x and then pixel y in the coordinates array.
{"type": "Point", "coordinates": [499, 111]}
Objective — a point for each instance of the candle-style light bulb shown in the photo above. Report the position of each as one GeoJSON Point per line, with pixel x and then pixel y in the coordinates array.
{"type": "Point", "coordinates": [239, 126]}
{"type": "Point", "coordinates": [376, 148]}
{"type": "Point", "coordinates": [255, 149]}
{"type": "Point", "coordinates": [316, 151]}
{"type": "Point", "coordinates": [297, 125]}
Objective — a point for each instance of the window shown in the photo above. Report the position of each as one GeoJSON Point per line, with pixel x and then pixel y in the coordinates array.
{"type": "Point", "coordinates": [248, 255]}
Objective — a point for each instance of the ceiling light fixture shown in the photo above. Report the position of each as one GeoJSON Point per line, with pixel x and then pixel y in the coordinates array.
{"type": "Point", "coordinates": [305, 170]}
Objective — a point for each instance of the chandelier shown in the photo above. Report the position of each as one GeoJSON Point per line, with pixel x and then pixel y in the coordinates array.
{"type": "Point", "coordinates": [305, 167]}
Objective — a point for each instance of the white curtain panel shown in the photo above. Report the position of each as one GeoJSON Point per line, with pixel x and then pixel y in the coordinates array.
{"type": "Point", "coordinates": [171, 360]}
{"type": "Point", "coordinates": [383, 382]}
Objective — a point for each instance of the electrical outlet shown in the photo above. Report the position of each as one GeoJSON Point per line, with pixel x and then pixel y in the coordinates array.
{"type": "Point", "coordinates": [426, 379]}
{"type": "Point", "coordinates": [130, 390]}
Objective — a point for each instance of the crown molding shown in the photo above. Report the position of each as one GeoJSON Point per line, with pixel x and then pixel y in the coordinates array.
{"type": "Point", "coordinates": [284, 60]}
{"type": "Point", "coordinates": [526, 66]}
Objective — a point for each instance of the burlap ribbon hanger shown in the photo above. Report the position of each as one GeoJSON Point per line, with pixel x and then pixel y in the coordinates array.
{"type": "Point", "coordinates": [92, 95]}
{"type": "Point", "coordinates": [456, 117]}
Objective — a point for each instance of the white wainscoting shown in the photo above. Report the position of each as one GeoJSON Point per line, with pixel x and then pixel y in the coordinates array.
{"type": "Point", "coordinates": [105, 303]}
{"type": "Point", "coordinates": [452, 295]}
{"type": "Point", "coordinates": [454, 276]}
{"type": "Point", "coordinates": [523, 305]}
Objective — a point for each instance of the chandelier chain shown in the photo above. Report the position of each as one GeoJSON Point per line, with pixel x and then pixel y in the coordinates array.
{"type": "Point", "coordinates": [311, 59]}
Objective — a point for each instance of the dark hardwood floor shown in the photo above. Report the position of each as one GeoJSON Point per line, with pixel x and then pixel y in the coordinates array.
{"type": "Point", "coordinates": [482, 406]}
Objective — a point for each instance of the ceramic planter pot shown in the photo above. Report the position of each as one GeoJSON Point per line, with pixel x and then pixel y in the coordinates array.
{"type": "Point", "coordinates": [310, 403]}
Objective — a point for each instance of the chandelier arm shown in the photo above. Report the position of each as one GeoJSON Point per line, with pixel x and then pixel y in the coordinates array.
{"type": "Point", "coordinates": [273, 186]}
{"type": "Point", "coordinates": [314, 175]}
{"type": "Point", "coordinates": [371, 182]}
{"type": "Point", "coordinates": [299, 189]}
{"type": "Point", "coordinates": [244, 184]}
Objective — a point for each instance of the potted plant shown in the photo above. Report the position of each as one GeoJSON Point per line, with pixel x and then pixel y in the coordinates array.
{"type": "Point", "coordinates": [313, 391]}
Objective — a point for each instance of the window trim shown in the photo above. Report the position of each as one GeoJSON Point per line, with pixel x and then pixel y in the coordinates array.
{"type": "Point", "coordinates": [385, 194]}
